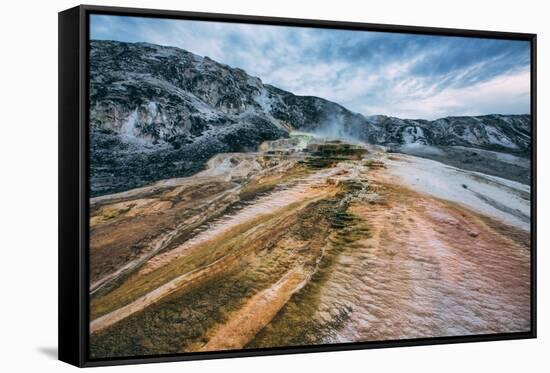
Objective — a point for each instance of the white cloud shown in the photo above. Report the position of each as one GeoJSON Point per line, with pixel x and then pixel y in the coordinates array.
{"type": "Point", "coordinates": [504, 94]}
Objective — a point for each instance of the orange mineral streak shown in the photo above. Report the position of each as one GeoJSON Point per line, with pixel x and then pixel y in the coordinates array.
{"type": "Point", "coordinates": [430, 268]}
{"type": "Point", "coordinates": [246, 322]}
{"type": "Point", "coordinates": [311, 187]}
{"type": "Point", "coordinates": [422, 266]}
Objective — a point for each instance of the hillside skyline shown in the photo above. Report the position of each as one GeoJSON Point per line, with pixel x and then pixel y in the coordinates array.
{"type": "Point", "coordinates": [372, 73]}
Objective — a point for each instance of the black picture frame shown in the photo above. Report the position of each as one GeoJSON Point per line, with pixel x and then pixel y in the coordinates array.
{"type": "Point", "coordinates": [74, 183]}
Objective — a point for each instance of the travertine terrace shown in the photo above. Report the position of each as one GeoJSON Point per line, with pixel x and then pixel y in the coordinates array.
{"type": "Point", "coordinates": [307, 241]}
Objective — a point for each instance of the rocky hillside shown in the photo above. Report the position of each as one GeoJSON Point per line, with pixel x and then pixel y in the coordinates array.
{"type": "Point", "coordinates": [160, 112]}
{"type": "Point", "coordinates": [507, 133]}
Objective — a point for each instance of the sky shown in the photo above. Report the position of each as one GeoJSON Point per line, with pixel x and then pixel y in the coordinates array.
{"type": "Point", "coordinates": [396, 74]}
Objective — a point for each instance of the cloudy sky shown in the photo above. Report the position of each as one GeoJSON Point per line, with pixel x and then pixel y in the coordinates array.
{"type": "Point", "coordinates": [403, 75]}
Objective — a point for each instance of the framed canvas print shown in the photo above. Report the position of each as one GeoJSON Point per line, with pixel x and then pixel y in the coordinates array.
{"type": "Point", "coordinates": [237, 185]}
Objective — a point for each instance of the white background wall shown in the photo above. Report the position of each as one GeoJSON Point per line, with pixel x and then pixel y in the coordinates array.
{"type": "Point", "coordinates": [28, 184]}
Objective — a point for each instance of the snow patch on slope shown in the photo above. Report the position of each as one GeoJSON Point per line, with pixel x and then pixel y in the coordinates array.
{"type": "Point", "coordinates": [499, 198]}
{"type": "Point", "coordinates": [129, 126]}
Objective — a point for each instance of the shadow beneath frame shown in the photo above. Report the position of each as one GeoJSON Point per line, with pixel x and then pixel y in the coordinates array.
{"type": "Point", "coordinates": [50, 352]}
